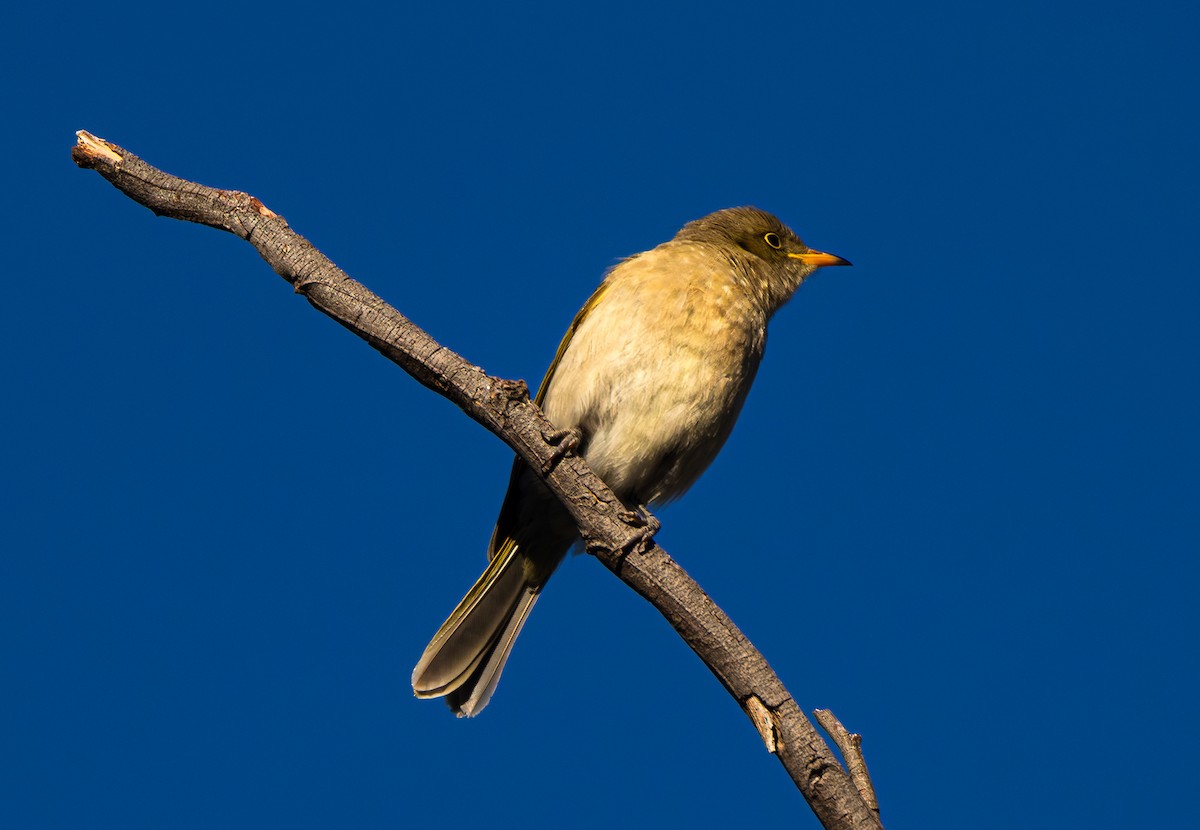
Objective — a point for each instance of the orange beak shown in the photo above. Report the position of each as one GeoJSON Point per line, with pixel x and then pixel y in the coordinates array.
{"type": "Point", "coordinates": [817, 259]}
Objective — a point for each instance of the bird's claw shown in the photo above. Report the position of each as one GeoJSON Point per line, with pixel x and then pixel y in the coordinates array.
{"type": "Point", "coordinates": [645, 526]}
{"type": "Point", "coordinates": [563, 442]}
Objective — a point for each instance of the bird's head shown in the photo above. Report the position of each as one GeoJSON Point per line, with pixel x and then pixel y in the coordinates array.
{"type": "Point", "coordinates": [777, 260]}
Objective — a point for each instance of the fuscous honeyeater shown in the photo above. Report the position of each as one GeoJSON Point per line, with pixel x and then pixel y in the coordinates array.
{"type": "Point", "coordinates": [651, 376]}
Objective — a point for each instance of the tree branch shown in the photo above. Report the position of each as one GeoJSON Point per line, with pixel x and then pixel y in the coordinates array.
{"type": "Point", "coordinates": [504, 408]}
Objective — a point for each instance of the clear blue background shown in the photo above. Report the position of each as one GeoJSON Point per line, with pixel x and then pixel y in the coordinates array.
{"type": "Point", "coordinates": [959, 508]}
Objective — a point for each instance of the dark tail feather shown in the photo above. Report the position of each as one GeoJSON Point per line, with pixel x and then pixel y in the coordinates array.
{"type": "Point", "coordinates": [464, 660]}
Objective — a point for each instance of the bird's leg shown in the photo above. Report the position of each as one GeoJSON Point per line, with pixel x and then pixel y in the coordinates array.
{"type": "Point", "coordinates": [563, 441]}
{"type": "Point", "coordinates": [645, 527]}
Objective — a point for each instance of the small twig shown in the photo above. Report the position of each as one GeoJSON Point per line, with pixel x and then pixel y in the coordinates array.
{"type": "Point", "coordinates": [850, 745]}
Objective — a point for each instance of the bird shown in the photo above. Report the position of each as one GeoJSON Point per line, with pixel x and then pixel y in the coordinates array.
{"type": "Point", "coordinates": [648, 382]}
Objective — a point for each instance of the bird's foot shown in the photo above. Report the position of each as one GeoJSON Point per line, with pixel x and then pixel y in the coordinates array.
{"type": "Point", "coordinates": [645, 526]}
{"type": "Point", "coordinates": [563, 442]}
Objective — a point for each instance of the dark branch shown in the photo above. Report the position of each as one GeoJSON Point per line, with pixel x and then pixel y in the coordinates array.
{"type": "Point", "coordinates": [504, 407]}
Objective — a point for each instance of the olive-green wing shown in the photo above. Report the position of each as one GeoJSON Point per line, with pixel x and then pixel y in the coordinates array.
{"type": "Point", "coordinates": [503, 533]}
{"type": "Point", "coordinates": [562, 347]}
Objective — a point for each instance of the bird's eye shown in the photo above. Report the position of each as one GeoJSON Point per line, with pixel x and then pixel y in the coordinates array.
{"type": "Point", "coordinates": [772, 239]}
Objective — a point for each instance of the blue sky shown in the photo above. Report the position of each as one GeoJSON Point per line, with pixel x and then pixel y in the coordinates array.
{"type": "Point", "coordinates": [958, 509]}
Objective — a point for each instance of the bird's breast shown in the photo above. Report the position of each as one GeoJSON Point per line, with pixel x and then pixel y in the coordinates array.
{"type": "Point", "coordinates": [656, 373]}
